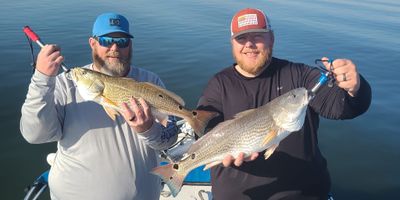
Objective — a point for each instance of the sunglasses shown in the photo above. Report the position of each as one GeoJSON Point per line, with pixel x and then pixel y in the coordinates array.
{"type": "Point", "coordinates": [108, 41]}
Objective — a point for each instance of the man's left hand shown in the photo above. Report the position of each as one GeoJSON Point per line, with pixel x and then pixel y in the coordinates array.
{"type": "Point", "coordinates": [139, 117]}
{"type": "Point", "coordinates": [346, 75]}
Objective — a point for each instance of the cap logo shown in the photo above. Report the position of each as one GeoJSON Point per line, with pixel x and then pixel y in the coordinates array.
{"type": "Point", "coordinates": [114, 22]}
{"type": "Point", "coordinates": [246, 20]}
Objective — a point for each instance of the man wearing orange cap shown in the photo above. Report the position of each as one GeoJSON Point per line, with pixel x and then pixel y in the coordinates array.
{"type": "Point", "coordinates": [297, 169]}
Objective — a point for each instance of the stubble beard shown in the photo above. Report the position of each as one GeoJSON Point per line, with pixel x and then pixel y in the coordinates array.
{"type": "Point", "coordinates": [260, 64]}
{"type": "Point", "coordinates": [119, 68]}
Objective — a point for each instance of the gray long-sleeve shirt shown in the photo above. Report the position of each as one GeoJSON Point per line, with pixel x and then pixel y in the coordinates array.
{"type": "Point", "coordinates": [97, 158]}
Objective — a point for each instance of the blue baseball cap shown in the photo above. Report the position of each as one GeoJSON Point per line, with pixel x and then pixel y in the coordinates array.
{"type": "Point", "coordinates": [110, 23]}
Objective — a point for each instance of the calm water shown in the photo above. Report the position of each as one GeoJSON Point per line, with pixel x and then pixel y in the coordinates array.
{"type": "Point", "coordinates": [185, 42]}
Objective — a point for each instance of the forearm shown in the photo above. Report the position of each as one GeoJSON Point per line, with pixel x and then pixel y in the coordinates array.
{"type": "Point", "coordinates": [360, 103]}
{"type": "Point", "coordinates": [39, 121]}
{"type": "Point", "coordinates": [159, 137]}
{"type": "Point", "coordinates": [336, 103]}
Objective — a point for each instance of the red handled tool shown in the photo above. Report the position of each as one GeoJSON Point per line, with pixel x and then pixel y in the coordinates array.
{"type": "Point", "coordinates": [34, 37]}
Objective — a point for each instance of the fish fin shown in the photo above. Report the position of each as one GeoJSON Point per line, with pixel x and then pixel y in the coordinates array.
{"type": "Point", "coordinates": [270, 136]}
{"type": "Point", "coordinates": [243, 113]}
{"type": "Point", "coordinates": [169, 93]}
{"type": "Point", "coordinates": [171, 175]}
{"type": "Point", "coordinates": [161, 117]}
{"type": "Point", "coordinates": [209, 165]}
{"type": "Point", "coordinates": [109, 106]}
{"type": "Point", "coordinates": [270, 151]}
{"type": "Point", "coordinates": [111, 112]}
{"type": "Point", "coordinates": [127, 79]}
{"type": "Point", "coordinates": [199, 120]}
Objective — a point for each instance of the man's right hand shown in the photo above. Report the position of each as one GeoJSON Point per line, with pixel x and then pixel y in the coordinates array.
{"type": "Point", "coordinates": [49, 60]}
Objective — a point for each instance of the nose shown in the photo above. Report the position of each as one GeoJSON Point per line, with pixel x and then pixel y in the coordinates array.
{"type": "Point", "coordinates": [249, 42]}
{"type": "Point", "coordinates": [114, 47]}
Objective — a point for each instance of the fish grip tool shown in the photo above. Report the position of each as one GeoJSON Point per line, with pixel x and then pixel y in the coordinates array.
{"type": "Point", "coordinates": [326, 76]}
{"type": "Point", "coordinates": [34, 37]}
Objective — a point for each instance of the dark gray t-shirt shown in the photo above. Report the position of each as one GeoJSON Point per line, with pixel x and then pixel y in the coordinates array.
{"type": "Point", "coordinates": [296, 169]}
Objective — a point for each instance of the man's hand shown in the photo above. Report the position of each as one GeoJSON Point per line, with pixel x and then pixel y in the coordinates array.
{"type": "Point", "coordinates": [228, 160]}
{"type": "Point", "coordinates": [49, 60]}
{"type": "Point", "coordinates": [346, 75]}
{"type": "Point", "coordinates": [138, 117]}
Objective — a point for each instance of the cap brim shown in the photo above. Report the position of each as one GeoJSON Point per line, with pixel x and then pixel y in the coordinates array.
{"type": "Point", "coordinates": [251, 31]}
{"type": "Point", "coordinates": [114, 31]}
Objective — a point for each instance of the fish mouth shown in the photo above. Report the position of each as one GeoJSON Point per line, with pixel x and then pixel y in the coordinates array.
{"type": "Point", "coordinates": [309, 96]}
{"type": "Point", "coordinates": [68, 75]}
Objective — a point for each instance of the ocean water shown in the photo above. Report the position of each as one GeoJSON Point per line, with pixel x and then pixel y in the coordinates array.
{"type": "Point", "coordinates": [186, 42]}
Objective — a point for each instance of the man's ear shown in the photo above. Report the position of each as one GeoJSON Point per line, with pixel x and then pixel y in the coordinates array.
{"type": "Point", "coordinates": [272, 39]}
{"type": "Point", "coordinates": [92, 42]}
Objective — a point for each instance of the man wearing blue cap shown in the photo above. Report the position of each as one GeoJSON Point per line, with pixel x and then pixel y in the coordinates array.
{"type": "Point", "coordinates": [97, 158]}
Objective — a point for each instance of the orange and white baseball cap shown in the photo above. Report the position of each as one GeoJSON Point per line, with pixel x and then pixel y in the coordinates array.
{"type": "Point", "coordinates": [249, 20]}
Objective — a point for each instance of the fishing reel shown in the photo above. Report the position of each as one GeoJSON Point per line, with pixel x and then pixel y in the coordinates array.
{"type": "Point", "coordinates": [186, 137]}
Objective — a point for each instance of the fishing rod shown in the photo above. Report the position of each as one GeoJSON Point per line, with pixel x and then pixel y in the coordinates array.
{"type": "Point", "coordinates": [34, 37]}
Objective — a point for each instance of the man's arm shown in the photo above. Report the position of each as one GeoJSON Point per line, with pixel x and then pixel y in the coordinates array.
{"type": "Point", "coordinates": [39, 120]}
{"type": "Point", "coordinates": [159, 137]}
{"type": "Point", "coordinates": [157, 132]}
{"type": "Point", "coordinates": [348, 98]}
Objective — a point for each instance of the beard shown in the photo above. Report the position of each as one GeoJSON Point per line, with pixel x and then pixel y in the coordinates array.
{"type": "Point", "coordinates": [255, 68]}
{"type": "Point", "coordinates": [118, 68]}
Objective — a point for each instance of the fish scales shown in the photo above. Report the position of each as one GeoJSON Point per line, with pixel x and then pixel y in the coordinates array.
{"type": "Point", "coordinates": [230, 142]}
{"type": "Point", "coordinates": [111, 92]}
{"type": "Point", "coordinates": [249, 131]}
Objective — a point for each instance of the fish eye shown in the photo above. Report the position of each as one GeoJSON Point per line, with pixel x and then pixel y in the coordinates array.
{"type": "Point", "coordinates": [176, 166]}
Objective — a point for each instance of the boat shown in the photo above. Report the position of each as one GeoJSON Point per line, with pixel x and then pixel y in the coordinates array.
{"type": "Point", "coordinates": [196, 185]}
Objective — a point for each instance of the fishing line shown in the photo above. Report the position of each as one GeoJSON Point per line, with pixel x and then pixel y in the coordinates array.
{"type": "Point", "coordinates": [33, 63]}
{"type": "Point", "coordinates": [34, 37]}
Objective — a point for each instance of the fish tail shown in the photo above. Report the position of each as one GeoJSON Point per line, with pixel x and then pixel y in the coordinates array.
{"type": "Point", "coordinates": [171, 175]}
{"type": "Point", "coordinates": [199, 119]}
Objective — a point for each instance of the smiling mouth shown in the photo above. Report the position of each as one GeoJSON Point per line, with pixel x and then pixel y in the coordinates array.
{"type": "Point", "coordinates": [114, 58]}
{"type": "Point", "coordinates": [251, 54]}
